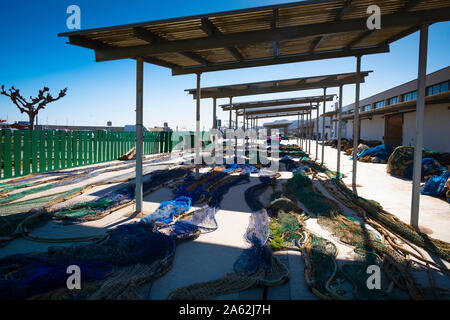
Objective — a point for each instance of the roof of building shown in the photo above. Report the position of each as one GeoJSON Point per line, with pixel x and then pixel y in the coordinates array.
{"type": "Point", "coordinates": [401, 106]}
{"type": "Point", "coordinates": [431, 78]}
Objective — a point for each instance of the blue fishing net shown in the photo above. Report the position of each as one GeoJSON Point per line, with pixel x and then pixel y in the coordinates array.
{"type": "Point", "coordinates": [382, 152]}
{"type": "Point", "coordinates": [43, 276]}
{"type": "Point", "coordinates": [258, 255]}
{"type": "Point", "coordinates": [167, 210]}
{"type": "Point", "coordinates": [435, 186]}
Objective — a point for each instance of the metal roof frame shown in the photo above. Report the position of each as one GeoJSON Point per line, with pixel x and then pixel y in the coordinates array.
{"type": "Point", "coordinates": [281, 85]}
{"type": "Point", "coordinates": [269, 35]}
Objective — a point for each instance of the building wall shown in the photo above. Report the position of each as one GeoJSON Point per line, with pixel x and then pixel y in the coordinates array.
{"type": "Point", "coordinates": [436, 131]}
{"type": "Point", "coordinates": [436, 128]}
{"type": "Point", "coordinates": [372, 129]}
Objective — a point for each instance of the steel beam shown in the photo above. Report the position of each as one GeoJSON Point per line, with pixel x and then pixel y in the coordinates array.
{"type": "Point", "coordinates": [323, 124]}
{"type": "Point", "coordinates": [139, 130]}
{"type": "Point", "coordinates": [339, 131]}
{"type": "Point", "coordinates": [420, 107]}
{"type": "Point", "coordinates": [197, 129]}
{"type": "Point", "coordinates": [356, 126]}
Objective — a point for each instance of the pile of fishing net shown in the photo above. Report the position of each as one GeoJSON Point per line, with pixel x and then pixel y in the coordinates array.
{"type": "Point", "coordinates": [378, 154]}
{"type": "Point", "coordinates": [400, 163]}
{"type": "Point", "coordinates": [114, 268]}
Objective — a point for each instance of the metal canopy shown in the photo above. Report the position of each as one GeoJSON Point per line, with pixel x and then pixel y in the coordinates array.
{"type": "Point", "coordinates": [276, 115]}
{"type": "Point", "coordinates": [297, 109]}
{"type": "Point", "coordinates": [278, 124]}
{"type": "Point", "coordinates": [277, 102]}
{"type": "Point", "coordinates": [292, 32]}
{"type": "Point", "coordinates": [284, 85]}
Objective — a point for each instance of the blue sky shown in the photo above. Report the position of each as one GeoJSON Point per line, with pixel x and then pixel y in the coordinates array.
{"type": "Point", "coordinates": [32, 56]}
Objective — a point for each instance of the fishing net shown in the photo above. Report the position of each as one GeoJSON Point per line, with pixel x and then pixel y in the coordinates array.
{"type": "Point", "coordinates": [28, 214]}
{"type": "Point", "coordinates": [116, 199]}
{"type": "Point", "coordinates": [400, 163]}
{"type": "Point", "coordinates": [77, 176]}
{"type": "Point", "coordinates": [140, 252]}
{"type": "Point", "coordinates": [367, 244]}
{"type": "Point", "coordinates": [255, 266]}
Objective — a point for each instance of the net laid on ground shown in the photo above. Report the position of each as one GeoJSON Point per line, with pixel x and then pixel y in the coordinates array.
{"type": "Point", "coordinates": [28, 214]}
{"type": "Point", "coordinates": [256, 266]}
{"type": "Point", "coordinates": [132, 255]}
{"type": "Point", "coordinates": [69, 177]}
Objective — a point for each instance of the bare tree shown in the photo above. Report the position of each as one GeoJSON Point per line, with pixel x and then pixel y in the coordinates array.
{"type": "Point", "coordinates": [33, 105]}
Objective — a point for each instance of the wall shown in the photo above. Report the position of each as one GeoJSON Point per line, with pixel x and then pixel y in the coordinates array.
{"type": "Point", "coordinates": [372, 129]}
{"type": "Point", "coordinates": [436, 134]}
{"type": "Point", "coordinates": [436, 128]}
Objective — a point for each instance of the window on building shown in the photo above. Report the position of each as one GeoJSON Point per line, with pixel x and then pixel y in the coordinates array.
{"type": "Point", "coordinates": [409, 96]}
{"type": "Point", "coordinates": [437, 88]}
{"type": "Point", "coordinates": [393, 100]}
{"type": "Point", "coordinates": [365, 108]}
{"type": "Point", "coordinates": [380, 104]}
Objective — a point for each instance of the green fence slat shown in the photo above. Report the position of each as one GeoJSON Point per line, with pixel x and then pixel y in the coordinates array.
{"type": "Point", "coordinates": [151, 142]}
{"type": "Point", "coordinates": [80, 148]}
{"type": "Point", "coordinates": [90, 133]}
{"type": "Point", "coordinates": [85, 148]}
{"type": "Point", "coordinates": [34, 151]}
{"type": "Point", "coordinates": [102, 136]}
{"type": "Point", "coordinates": [50, 150]}
{"type": "Point", "coordinates": [7, 164]}
{"type": "Point", "coordinates": [154, 142]}
{"type": "Point", "coordinates": [63, 149]}
{"type": "Point", "coordinates": [1, 154]}
{"type": "Point", "coordinates": [7, 161]}
{"type": "Point", "coordinates": [109, 146]}
{"type": "Point", "coordinates": [95, 146]}
{"type": "Point", "coordinates": [169, 143]}
{"type": "Point", "coordinates": [17, 152]}
{"type": "Point", "coordinates": [122, 147]}
{"type": "Point", "coordinates": [145, 144]}
{"type": "Point", "coordinates": [101, 147]}
{"type": "Point", "coordinates": [26, 152]}
{"type": "Point", "coordinates": [123, 142]}
{"type": "Point", "coordinates": [69, 149]}
{"type": "Point", "coordinates": [42, 156]}
{"type": "Point", "coordinates": [74, 148]}
{"type": "Point", "coordinates": [57, 150]}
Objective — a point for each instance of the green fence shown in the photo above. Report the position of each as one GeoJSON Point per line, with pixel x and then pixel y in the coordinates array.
{"type": "Point", "coordinates": [23, 153]}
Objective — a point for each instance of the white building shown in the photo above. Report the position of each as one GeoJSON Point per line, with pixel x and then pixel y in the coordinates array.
{"type": "Point", "coordinates": [390, 116]}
